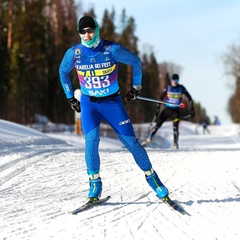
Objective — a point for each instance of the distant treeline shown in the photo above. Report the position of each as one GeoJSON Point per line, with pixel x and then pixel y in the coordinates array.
{"type": "Point", "coordinates": [34, 36]}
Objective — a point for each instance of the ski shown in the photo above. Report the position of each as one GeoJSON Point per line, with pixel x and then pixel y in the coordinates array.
{"type": "Point", "coordinates": [173, 205]}
{"type": "Point", "coordinates": [89, 204]}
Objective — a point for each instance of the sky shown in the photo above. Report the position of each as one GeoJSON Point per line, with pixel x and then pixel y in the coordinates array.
{"type": "Point", "coordinates": [194, 35]}
{"type": "Point", "coordinates": [43, 177]}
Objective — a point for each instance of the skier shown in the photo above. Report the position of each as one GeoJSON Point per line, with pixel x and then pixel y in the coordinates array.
{"type": "Point", "coordinates": [205, 126]}
{"type": "Point", "coordinates": [172, 94]}
{"type": "Point", "coordinates": [96, 63]}
{"type": "Point", "coordinates": [216, 120]}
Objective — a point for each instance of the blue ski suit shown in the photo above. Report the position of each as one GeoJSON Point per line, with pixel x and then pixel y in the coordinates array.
{"type": "Point", "coordinates": [97, 70]}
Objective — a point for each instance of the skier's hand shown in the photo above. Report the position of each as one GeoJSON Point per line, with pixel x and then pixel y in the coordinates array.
{"type": "Point", "coordinates": [75, 104]}
{"type": "Point", "coordinates": [133, 93]}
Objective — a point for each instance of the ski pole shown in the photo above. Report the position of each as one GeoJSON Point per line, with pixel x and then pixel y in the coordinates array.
{"type": "Point", "coordinates": [153, 121]}
{"type": "Point", "coordinates": [181, 105]}
{"type": "Point", "coordinates": [187, 116]}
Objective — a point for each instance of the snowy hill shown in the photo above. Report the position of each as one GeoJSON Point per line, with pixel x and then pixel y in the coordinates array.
{"type": "Point", "coordinates": [43, 176]}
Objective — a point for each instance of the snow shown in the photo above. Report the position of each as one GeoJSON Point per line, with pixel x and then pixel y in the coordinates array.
{"type": "Point", "coordinates": [43, 176]}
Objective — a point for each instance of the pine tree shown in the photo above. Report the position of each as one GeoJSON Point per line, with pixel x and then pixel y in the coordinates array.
{"type": "Point", "coordinates": [4, 59]}
{"type": "Point", "coordinates": [107, 30]}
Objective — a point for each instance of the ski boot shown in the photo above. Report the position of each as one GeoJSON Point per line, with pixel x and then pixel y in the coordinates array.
{"type": "Point", "coordinates": [147, 141]}
{"type": "Point", "coordinates": [175, 146]}
{"type": "Point", "coordinates": [95, 189]}
{"type": "Point", "coordinates": [155, 183]}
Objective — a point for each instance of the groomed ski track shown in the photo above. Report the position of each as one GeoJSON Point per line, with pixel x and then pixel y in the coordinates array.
{"type": "Point", "coordinates": [43, 178]}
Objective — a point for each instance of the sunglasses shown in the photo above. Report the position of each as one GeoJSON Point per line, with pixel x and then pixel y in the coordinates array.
{"type": "Point", "coordinates": [88, 30]}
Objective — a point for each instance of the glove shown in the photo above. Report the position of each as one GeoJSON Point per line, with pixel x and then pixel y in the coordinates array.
{"type": "Point", "coordinates": [192, 112]}
{"type": "Point", "coordinates": [75, 104]}
{"type": "Point", "coordinates": [133, 93]}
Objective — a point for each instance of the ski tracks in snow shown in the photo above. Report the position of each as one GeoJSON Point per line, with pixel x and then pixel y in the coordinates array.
{"type": "Point", "coordinates": [29, 185]}
{"type": "Point", "coordinates": [41, 183]}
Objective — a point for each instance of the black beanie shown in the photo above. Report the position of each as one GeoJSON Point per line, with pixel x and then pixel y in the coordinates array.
{"type": "Point", "coordinates": [84, 22]}
{"type": "Point", "coordinates": [175, 76]}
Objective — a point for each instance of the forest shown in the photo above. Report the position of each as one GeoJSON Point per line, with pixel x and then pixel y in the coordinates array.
{"type": "Point", "coordinates": [34, 35]}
